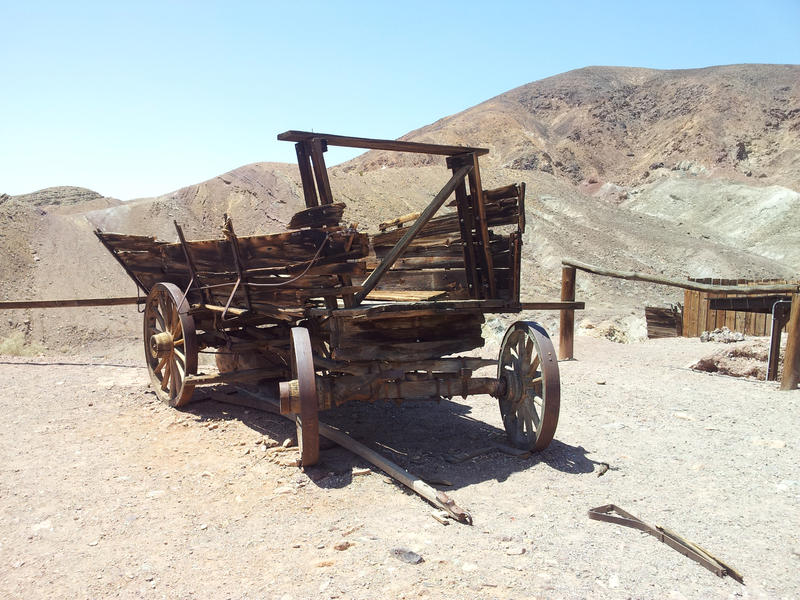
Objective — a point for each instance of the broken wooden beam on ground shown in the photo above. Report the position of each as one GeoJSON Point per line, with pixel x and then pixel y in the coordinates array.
{"type": "Point", "coordinates": [438, 498]}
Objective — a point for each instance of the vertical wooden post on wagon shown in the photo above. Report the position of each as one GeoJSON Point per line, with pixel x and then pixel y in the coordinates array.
{"type": "Point", "coordinates": [567, 327]}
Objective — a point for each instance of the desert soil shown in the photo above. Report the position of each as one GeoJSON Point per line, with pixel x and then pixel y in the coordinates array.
{"type": "Point", "coordinates": [105, 492]}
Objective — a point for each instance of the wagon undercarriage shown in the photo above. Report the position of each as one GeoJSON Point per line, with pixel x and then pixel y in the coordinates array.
{"type": "Point", "coordinates": [334, 315]}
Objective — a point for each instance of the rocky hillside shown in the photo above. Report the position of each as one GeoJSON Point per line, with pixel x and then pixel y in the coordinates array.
{"type": "Point", "coordinates": [618, 124]}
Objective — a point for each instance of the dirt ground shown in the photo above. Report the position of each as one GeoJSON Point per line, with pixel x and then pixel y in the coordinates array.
{"type": "Point", "coordinates": [105, 492]}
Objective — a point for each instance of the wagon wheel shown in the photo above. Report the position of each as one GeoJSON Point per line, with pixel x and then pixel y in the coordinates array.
{"type": "Point", "coordinates": [170, 344]}
{"type": "Point", "coordinates": [529, 383]}
{"type": "Point", "coordinates": [305, 376]}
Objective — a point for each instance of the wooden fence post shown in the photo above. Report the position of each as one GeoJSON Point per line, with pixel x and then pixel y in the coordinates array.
{"type": "Point", "coordinates": [567, 326]}
{"type": "Point", "coordinates": [791, 360]}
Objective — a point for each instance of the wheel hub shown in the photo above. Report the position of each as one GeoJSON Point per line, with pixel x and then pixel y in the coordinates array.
{"type": "Point", "coordinates": [511, 388]}
{"type": "Point", "coordinates": [161, 344]}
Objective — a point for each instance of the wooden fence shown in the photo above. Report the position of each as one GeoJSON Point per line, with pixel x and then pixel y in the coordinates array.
{"type": "Point", "coordinates": [698, 316]}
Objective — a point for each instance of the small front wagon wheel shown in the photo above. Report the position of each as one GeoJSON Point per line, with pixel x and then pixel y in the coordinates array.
{"type": "Point", "coordinates": [170, 343]}
{"type": "Point", "coordinates": [529, 386]}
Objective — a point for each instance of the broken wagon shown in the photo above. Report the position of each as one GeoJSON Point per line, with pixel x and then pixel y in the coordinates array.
{"type": "Point", "coordinates": [333, 315]}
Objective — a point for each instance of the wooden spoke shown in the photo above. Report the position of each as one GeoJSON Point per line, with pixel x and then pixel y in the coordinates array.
{"type": "Point", "coordinates": [177, 371]}
{"type": "Point", "coordinates": [159, 320]}
{"type": "Point", "coordinates": [165, 379]}
{"type": "Point", "coordinates": [161, 364]}
{"type": "Point", "coordinates": [181, 356]}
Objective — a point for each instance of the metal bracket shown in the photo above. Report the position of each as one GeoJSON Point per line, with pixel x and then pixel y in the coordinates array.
{"type": "Point", "coordinates": [670, 538]}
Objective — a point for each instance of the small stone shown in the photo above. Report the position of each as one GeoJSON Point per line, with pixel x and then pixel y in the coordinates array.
{"type": "Point", "coordinates": [94, 542]}
{"type": "Point", "coordinates": [683, 415]}
{"type": "Point", "coordinates": [46, 524]}
{"type": "Point", "coordinates": [407, 556]}
{"type": "Point", "coordinates": [342, 545]}
{"type": "Point", "coordinates": [203, 527]}
{"type": "Point", "coordinates": [287, 443]}
{"type": "Point", "coordinates": [325, 563]}
{"type": "Point", "coordinates": [515, 551]}
{"type": "Point", "coordinates": [356, 472]}
{"type": "Point", "coordinates": [601, 382]}
{"type": "Point", "coordinates": [213, 425]}
{"type": "Point", "coordinates": [283, 490]}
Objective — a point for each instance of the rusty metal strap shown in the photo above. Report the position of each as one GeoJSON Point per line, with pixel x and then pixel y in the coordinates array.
{"type": "Point", "coordinates": [614, 514]}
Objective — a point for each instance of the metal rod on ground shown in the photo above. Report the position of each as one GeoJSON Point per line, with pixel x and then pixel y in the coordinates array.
{"type": "Point", "coordinates": [791, 360]}
{"type": "Point", "coordinates": [437, 498]}
{"type": "Point", "coordinates": [687, 285]}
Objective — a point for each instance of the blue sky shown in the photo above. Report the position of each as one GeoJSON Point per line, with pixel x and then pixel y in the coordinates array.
{"type": "Point", "coordinates": [140, 98]}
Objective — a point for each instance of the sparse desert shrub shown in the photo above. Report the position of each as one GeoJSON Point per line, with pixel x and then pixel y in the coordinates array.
{"type": "Point", "coordinates": [15, 345]}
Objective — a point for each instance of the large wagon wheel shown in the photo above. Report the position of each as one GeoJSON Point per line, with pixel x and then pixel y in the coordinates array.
{"type": "Point", "coordinates": [170, 343]}
{"type": "Point", "coordinates": [299, 396]}
{"type": "Point", "coordinates": [528, 374]}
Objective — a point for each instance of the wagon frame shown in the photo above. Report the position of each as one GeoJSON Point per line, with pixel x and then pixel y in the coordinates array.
{"type": "Point", "coordinates": [328, 315]}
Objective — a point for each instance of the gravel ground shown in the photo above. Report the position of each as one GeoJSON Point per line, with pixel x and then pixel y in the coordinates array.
{"type": "Point", "coordinates": [107, 493]}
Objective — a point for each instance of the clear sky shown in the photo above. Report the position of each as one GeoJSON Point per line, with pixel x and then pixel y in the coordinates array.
{"type": "Point", "coordinates": [140, 98]}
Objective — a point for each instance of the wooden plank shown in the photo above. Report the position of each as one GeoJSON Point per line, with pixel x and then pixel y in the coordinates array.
{"type": "Point", "coordinates": [690, 313]}
{"type": "Point", "coordinates": [407, 351]}
{"type": "Point", "coordinates": [379, 144]}
{"type": "Point", "coordinates": [739, 321]}
{"type": "Point", "coordinates": [466, 227]}
{"type": "Point", "coordinates": [702, 313]}
{"type": "Point", "coordinates": [482, 227]}
{"type": "Point", "coordinates": [452, 223]}
{"type": "Point", "coordinates": [762, 322]}
{"type": "Point", "coordinates": [318, 147]}
{"type": "Point", "coordinates": [661, 322]}
{"type": "Point", "coordinates": [405, 295]}
{"type": "Point", "coordinates": [306, 177]}
{"type": "Point", "coordinates": [398, 221]}
{"type": "Point", "coordinates": [566, 330]}
{"type": "Point", "coordinates": [375, 277]}
{"type": "Point", "coordinates": [318, 216]}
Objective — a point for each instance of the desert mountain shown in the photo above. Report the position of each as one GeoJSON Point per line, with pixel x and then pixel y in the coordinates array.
{"type": "Point", "coordinates": [626, 168]}
{"type": "Point", "coordinates": [619, 124]}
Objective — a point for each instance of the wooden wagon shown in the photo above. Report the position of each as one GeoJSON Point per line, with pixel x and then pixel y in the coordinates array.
{"type": "Point", "coordinates": [330, 315]}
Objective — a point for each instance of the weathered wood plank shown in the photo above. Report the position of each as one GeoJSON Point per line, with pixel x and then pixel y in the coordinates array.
{"type": "Point", "coordinates": [326, 215]}
{"type": "Point", "coordinates": [405, 295]}
{"type": "Point", "coordinates": [386, 264]}
{"type": "Point", "coordinates": [379, 144]}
